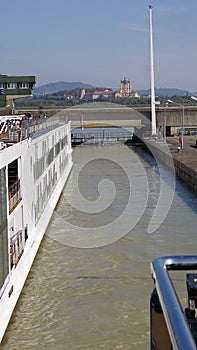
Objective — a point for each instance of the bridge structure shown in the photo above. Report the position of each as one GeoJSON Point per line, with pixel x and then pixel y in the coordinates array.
{"type": "Point", "coordinates": [98, 114]}
{"type": "Point", "coordinates": [104, 114]}
{"type": "Point", "coordinates": [170, 118]}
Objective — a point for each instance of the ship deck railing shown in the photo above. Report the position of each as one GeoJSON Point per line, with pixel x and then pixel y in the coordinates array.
{"type": "Point", "coordinates": [15, 196]}
{"type": "Point", "coordinates": [170, 326]}
{"type": "Point", "coordinates": [29, 128]}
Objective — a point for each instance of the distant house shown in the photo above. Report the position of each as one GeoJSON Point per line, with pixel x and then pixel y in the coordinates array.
{"type": "Point", "coordinates": [99, 94]}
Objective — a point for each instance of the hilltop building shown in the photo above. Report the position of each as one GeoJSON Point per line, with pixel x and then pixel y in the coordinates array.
{"type": "Point", "coordinates": [126, 89]}
{"type": "Point", "coordinates": [97, 95]}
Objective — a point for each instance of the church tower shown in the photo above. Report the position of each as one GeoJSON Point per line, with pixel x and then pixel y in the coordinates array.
{"type": "Point", "coordinates": [125, 88]}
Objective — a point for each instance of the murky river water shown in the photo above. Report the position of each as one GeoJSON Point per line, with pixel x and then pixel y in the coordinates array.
{"type": "Point", "coordinates": [90, 294]}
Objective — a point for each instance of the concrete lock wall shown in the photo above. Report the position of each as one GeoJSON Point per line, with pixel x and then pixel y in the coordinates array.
{"type": "Point", "coordinates": [172, 117]}
{"type": "Point", "coordinates": [163, 155]}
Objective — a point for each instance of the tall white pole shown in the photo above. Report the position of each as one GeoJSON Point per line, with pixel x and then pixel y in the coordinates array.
{"type": "Point", "coordinates": [154, 130]}
{"type": "Point", "coordinates": [164, 128]}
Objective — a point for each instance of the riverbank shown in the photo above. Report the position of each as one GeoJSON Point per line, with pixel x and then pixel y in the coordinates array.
{"type": "Point", "coordinates": [185, 161]}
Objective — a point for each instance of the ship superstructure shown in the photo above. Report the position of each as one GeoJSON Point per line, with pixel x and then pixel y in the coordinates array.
{"type": "Point", "coordinates": [35, 161]}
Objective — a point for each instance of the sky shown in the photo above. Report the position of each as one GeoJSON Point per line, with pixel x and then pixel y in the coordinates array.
{"type": "Point", "coordinates": [100, 42]}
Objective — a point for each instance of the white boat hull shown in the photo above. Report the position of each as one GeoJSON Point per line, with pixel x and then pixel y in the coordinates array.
{"type": "Point", "coordinates": [14, 282]}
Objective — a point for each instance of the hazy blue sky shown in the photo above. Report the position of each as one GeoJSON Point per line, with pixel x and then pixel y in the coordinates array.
{"type": "Point", "coordinates": [100, 42]}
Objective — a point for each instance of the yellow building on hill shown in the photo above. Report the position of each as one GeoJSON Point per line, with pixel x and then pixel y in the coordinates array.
{"type": "Point", "coordinates": [126, 89]}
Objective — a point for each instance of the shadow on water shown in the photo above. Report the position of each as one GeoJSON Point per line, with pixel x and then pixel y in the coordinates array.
{"type": "Point", "coordinates": [183, 189]}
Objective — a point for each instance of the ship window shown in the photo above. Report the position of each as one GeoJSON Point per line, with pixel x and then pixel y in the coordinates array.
{"type": "Point", "coordinates": [17, 246]}
{"type": "Point", "coordinates": [36, 152]}
{"type": "Point", "coordinates": [57, 149]}
{"type": "Point", "coordinates": [50, 156]}
{"type": "Point", "coordinates": [44, 147]}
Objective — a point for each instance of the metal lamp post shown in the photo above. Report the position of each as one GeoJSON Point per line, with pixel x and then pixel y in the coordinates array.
{"type": "Point", "coordinates": [183, 117]}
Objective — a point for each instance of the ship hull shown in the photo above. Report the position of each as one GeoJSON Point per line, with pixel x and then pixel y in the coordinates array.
{"type": "Point", "coordinates": [35, 217]}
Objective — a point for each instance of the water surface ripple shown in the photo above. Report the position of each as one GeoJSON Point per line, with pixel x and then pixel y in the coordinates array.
{"type": "Point", "coordinates": [92, 299]}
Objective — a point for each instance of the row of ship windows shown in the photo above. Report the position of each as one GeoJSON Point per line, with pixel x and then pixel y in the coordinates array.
{"type": "Point", "coordinates": [41, 164]}
{"type": "Point", "coordinates": [63, 140]}
{"type": "Point", "coordinates": [14, 85]}
{"type": "Point", "coordinates": [46, 185]}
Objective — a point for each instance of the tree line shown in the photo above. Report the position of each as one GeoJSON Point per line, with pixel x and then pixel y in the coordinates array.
{"type": "Point", "coordinates": [68, 98]}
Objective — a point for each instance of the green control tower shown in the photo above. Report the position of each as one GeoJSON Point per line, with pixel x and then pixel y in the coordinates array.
{"type": "Point", "coordinates": [13, 87]}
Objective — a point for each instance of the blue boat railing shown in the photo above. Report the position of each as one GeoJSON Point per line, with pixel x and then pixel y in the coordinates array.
{"type": "Point", "coordinates": [171, 326]}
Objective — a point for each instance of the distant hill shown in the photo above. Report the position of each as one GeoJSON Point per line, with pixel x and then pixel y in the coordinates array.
{"type": "Point", "coordinates": [63, 85]}
{"type": "Point", "coordinates": [166, 92]}
{"type": "Point", "coordinates": [59, 86]}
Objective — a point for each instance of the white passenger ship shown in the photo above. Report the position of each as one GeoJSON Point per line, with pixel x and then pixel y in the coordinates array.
{"type": "Point", "coordinates": [35, 162]}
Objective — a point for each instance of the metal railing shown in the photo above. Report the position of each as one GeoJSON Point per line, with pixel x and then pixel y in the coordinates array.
{"type": "Point", "coordinates": [14, 195]}
{"type": "Point", "coordinates": [28, 128]}
{"type": "Point", "coordinates": [177, 324]}
{"type": "Point", "coordinates": [102, 136]}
